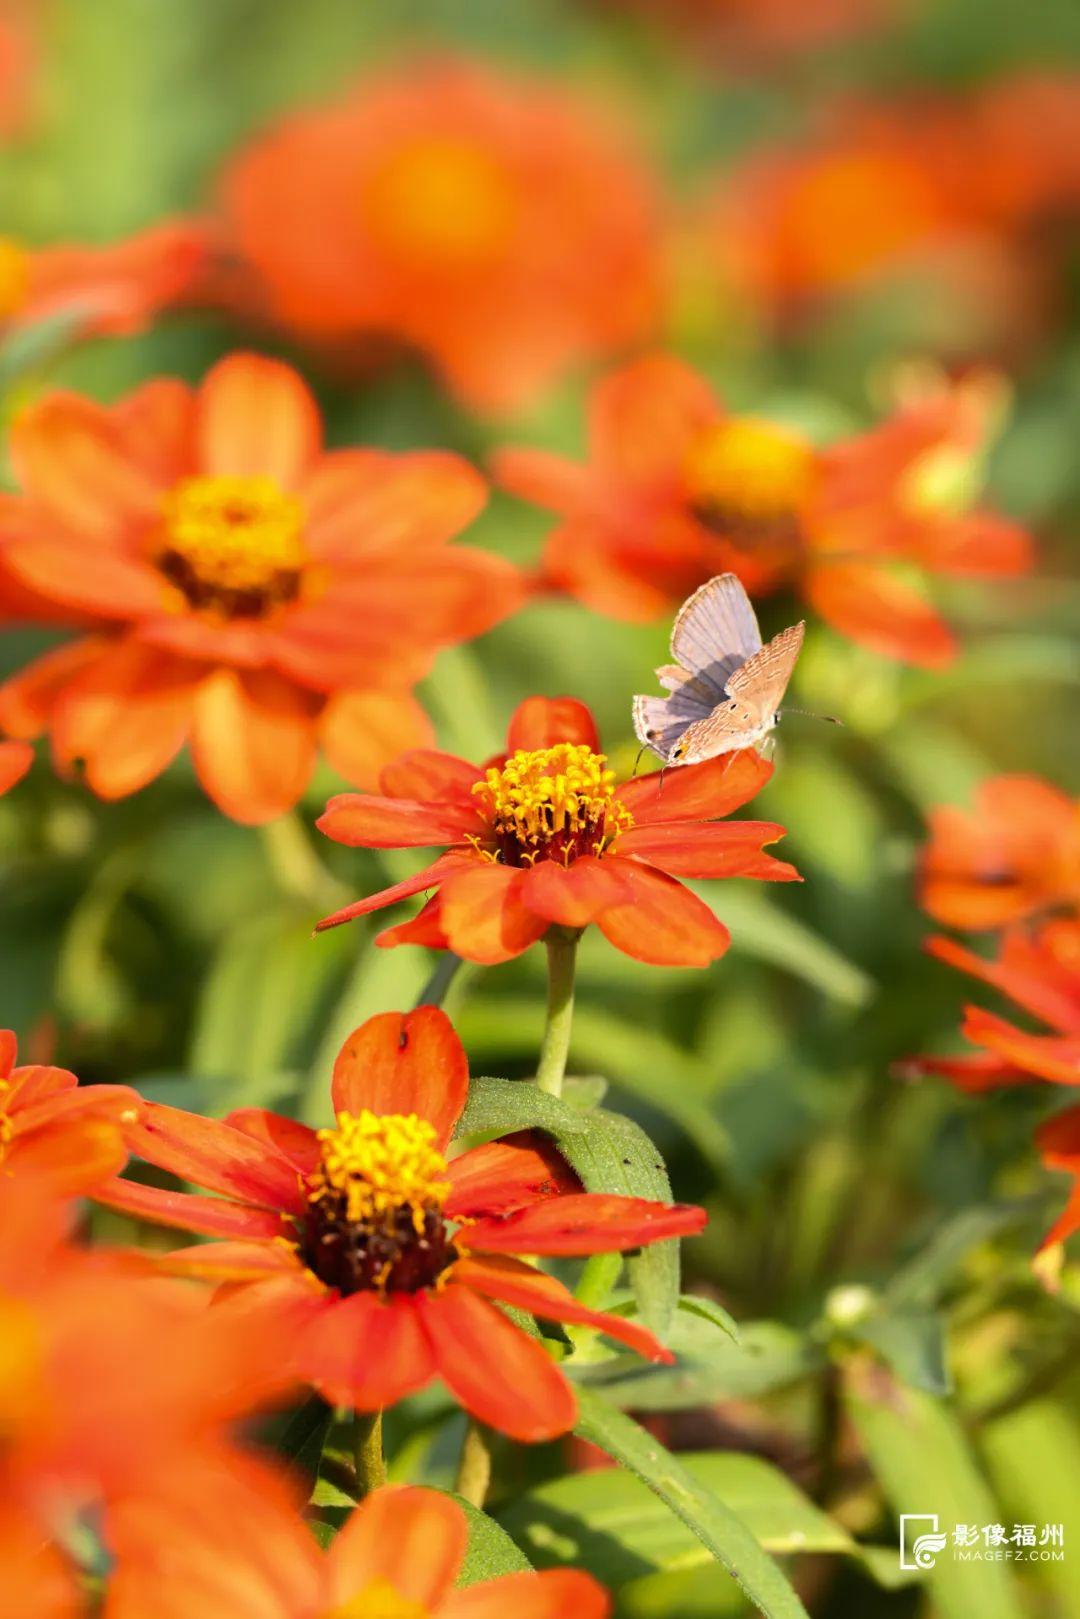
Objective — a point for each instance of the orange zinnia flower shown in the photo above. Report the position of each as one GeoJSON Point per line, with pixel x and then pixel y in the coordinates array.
{"type": "Point", "coordinates": [541, 836]}
{"type": "Point", "coordinates": [52, 1128]}
{"type": "Point", "coordinates": [1040, 972]}
{"type": "Point", "coordinates": [371, 1260]}
{"type": "Point", "coordinates": [115, 289]}
{"type": "Point", "coordinates": [239, 1554]}
{"type": "Point", "coordinates": [254, 594]}
{"type": "Point", "coordinates": [676, 490]}
{"type": "Point", "coordinates": [1015, 854]}
{"type": "Point", "coordinates": [115, 1384]}
{"type": "Point", "coordinates": [490, 222]}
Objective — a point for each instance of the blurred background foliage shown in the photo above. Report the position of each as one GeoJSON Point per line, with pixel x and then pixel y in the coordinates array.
{"type": "Point", "coordinates": [155, 941]}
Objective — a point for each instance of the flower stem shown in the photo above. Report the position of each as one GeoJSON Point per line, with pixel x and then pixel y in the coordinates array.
{"type": "Point", "coordinates": [295, 865]}
{"type": "Point", "coordinates": [561, 952]}
{"type": "Point", "coordinates": [474, 1465]}
{"type": "Point", "coordinates": [368, 1451]}
{"type": "Point", "coordinates": [443, 974]}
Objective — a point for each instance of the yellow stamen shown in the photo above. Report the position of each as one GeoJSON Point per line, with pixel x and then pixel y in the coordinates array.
{"type": "Point", "coordinates": [556, 801]}
{"type": "Point", "coordinates": [234, 544]}
{"type": "Point", "coordinates": [379, 1600]}
{"type": "Point", "coordinates": [749, 468]}
{"type": "Point", "coordinates": [14, 276]}
{"type": "Point", "coordinates": [382, 1163]}
{"type": "Point", "coordinates": [441, 203]}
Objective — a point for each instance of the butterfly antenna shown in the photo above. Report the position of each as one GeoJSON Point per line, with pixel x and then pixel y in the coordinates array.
{"type": "Point", "coordinates": [829, 719]}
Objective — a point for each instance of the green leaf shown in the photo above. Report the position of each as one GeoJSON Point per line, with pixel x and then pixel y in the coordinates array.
{"type": "Point", "coordinates": [1033, 1454]}
{"type": "Point", "coordinates": [709, 1366]}
{"type": "Point", "coordinates": [920, 1455]}
{"type": "Point", "coordinates": [709, 1310]}
{"type": "Point", "coordinates": [912, 1343]}
{"type": "Point", "coordinates": [491, 1551]}
{"type": "Point", "coordinates": [612, 1524]}
{"type": "Point", "coordinates": [615, 1155]}
{"type": "Point", "coordinates": [759, 928]}
{"type": "Point", "coordinates": [501, 1106]}
{"type": "Point", "coordinates": [715, 1525]}
{"type": "Point", "coordinates": [924, 1279]}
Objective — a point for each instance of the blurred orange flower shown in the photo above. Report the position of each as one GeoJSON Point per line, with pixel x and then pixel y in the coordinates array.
{"type": "Point", "coordinates": [117, 288]}
{"type": "Point", "coordinates": [1015, 854]}
{"type": "Point", "coordinates": [52, 1128]}
{"type": "Point", "coordinates": [492, 222]}
{"type": "Point", "coordinates": [371, 1260]}
{"type": "Point", "coordinates": [676, 489]}
{"type": "Point", "coordinates": [1040, 972]}
{"type": "Point", "coordinates": [252, 593]}
{"type": "Point", "coordinates": [540, 836]}
{"type": "Point", "coordinates": [960, 188]}
{"type": "Point", "coordinates": [240, 1554]}
{"type": "Point", "coordinates": [115, 1384]}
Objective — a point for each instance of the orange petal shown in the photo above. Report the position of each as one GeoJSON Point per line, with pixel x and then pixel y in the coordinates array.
{"type": "Point", "coordinates": [27, 699]}
{"type": "Point", "coordinates": [93, 578]}
{"type": "Point", "coordinates": [702, 792]}
{"type": "Point", "coordinates": [483, 914]}
{"type": "Point", "coordinates": [1024, 974]}
{"type": "Point", "coordinates": [365, 821]}
{"type": "Point", "coordinates": [664, 924]}
{"type": "Point", "coordinates": [71, 1159]}
{"type": "Point", "coordinates": [253, 742]}
{"type": "Point", "coordinates": [211, 1216]}
{"type": "Point", "coordinates": [498, 1372]}
{"type": "Point", "coordinates": [425, 929]}
{"type": "Point", "coordinates": [540, 722]}
{"type": "Point", "coordinates": [427, 774]}
{"type": "Point", "coordinates": [412, 1538]}
{"type": "Point", "coordinates": [217, 1157]}
{"type": "Point", "coordinates": [574, 895]}
{"type": "Point", "coordinates": [366, 1351]}
{"type": "Point", "coordinates": [69, 454]}
{"type": "Point", "coordinates": [1058, 1139]}
{"type": "Point", "coordinates": [1052, 1057]}
{"type": "Point", "coordinates": [503, 1175]}
{"type": "Point", "coordinates": [977, 544]}
{"type": "Point", "coordinates": [644, 418]}
{"type": "Point", "coordinates": [409, 1062]}
{"type": "Point", "coordinates": [361, 732]}
{"type": "Point", "coordinates": [709, 849]}
{"type": "Point", "coordinates": [546, 480]}
{"type": "Point", "coordinates": [126, 716]}
{"type": "Point", "coordinates": [362, 504]}
{"type": "Point", "coordinates": [298, 1142]}
{"type": "Point", "coordinates": [553, 1594]}
{"type": "Point", "coordinates": [585, 1223]}
{"type": "Point", "coordinates": [256, 417]}
{"type": "Point", "coordinates": [430, 877]}
{"type": "Point", "coordinates": [866, 603]}
{"type": "Point", "coordinates": [511, 1281]}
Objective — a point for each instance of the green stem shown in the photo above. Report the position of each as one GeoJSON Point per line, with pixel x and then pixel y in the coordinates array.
{"type": "Point", "coordinates": [561, 952]}
{"type": "Point", "coordinates": [599, 1274]}
{"type": "Point", "coordinates": [295, 865]}
{"type": "Point", "coordinates": [368, 1451]}
{"type": "Point", "coordinates": [445, 971]}
{"type": "Point", "coordinates": [474, 1465]}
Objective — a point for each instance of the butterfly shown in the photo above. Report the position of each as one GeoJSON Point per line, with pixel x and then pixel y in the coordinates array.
{"type": "Point", "coordinates": [726, 688]}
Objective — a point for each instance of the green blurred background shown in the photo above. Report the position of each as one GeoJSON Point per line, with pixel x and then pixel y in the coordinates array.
{"type": "Point", "coordinates": [155, 941]}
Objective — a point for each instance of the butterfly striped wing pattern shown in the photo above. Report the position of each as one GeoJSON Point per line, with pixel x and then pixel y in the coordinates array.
{"type": "Point", "coordinates": [757, 689]}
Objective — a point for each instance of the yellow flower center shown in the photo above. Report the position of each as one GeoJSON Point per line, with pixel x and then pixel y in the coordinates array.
{"type": "Point", "coordinates": [379, 1600]}
{"type": "Point", "coordinates": [14, 276]}
{"type": "Point", "coordinates": [440, 204]}
{"type": "Point", "coordinates": [232, 546]}
{"type": "Point", "coordinates": [748, 479]}
{"type": "Point", "coordinates": [553, 804]}
{"type": "Point", "coordinates": [374, 1217]}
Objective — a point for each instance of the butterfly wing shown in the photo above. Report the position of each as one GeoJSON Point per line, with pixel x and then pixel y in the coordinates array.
{"type": "Point", "coordinates": [759, 685]}
{"type": "Point", "coordinates": [715, 632]}
{"type": "Point", "coordinates": [659, 722]}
